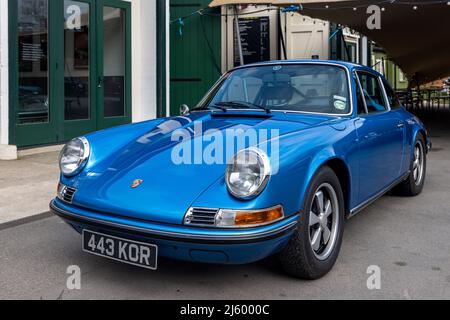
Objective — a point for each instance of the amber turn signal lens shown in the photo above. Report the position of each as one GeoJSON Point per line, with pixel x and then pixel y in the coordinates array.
{"type": "Point", "coordinates": [256, 218]}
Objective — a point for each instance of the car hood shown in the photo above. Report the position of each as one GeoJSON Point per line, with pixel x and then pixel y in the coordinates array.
{"type": "Point", "coordinates": [167, 189]}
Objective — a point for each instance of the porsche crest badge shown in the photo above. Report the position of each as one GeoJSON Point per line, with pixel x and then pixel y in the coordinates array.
{"type": "Point", "coordinates": [136, 183]}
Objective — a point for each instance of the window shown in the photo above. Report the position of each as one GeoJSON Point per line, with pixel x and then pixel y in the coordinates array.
{"type": "Point", "coordinates": [392, 97]}
{"type": "Point", "coordinates": [373, 92]}
{"type": "Point", "coordinates": [402, 77]}
{"type": "Point", "coordinates": [114, 61]}
{"type": "Point", "coordinates": [352, 50]}
{"type": "Point", "coordinates": [77, 60]}
{"type": "Point", "coordinates": [32, 23]}
{"type": "Point", "coordinates": [379, 66]}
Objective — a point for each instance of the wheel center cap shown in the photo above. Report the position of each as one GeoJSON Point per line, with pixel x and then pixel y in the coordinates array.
{"type": "Point", "coordinates": [322, 220]}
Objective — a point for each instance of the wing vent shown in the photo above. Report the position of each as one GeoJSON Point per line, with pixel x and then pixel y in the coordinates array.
{"type": "Point", "coordinates": [201, 217]}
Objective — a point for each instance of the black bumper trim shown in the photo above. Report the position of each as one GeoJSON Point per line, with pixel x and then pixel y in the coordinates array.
{"type": "Point", "coordinates": [170, 236]}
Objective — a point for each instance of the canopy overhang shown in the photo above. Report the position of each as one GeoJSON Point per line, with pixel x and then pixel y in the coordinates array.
{"type": "Point", "coordinates": [416, 39]}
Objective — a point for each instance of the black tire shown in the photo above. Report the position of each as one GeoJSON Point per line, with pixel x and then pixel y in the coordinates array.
{"type": "Point", "coordinates": [410, 187]}
{"type": "Point", "coordinates": [299, 258]}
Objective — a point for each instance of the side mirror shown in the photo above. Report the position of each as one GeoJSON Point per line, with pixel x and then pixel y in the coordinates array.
{"type": "Point", "coordinates": [184, 110]}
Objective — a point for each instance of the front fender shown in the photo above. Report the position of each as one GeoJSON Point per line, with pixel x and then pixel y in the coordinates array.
{"type": "Point", "coordinates": [301, 156]}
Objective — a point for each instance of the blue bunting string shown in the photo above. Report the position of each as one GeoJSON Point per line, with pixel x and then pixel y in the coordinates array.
{"type": "Point", "coordinates": [293, 8]}
{"type": "Point", "coordinates": [181, 25]}
{"type": "Point", "coordinates": [335, 33]}
{"type": "Point", "coordinates": [298, 8]}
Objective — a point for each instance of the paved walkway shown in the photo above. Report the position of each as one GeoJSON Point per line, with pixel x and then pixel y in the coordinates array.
{"type": "Point", "coordinates": [27, 185]}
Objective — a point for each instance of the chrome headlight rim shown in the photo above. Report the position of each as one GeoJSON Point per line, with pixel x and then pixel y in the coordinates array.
{"type": "Point", "coordinates": [266, 174]}
{"type": "Point", "coordinates": [82, 161]}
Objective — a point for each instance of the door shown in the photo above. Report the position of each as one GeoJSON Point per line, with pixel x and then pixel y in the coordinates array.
{"type": "Point", "coordinates": [32, 120]}
{"type": "Point", "coordinates": [195, 53]}
{"type": "Point", "coordinates": [79, 71]}
{"type": "Point", "coordinates": [70, 68]}
{"type": "Point", "coordinates": [307, 38]}
{"type": "Point", "coordinates": [114, 67]}
{"type": "Point", "coordinates": [380, 135]}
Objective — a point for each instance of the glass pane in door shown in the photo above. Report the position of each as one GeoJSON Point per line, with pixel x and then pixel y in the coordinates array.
{"type": "Point", "coordinates": [76, 60]}
{"type": "Point", "coordinates": [33, 61]}
{"type": "Point", "coordinates": [114, 61]}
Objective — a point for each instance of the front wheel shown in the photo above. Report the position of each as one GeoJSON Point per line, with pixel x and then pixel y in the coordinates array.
{"type": "Point", "coordinates": [415, 182]}
{"type": "Point", "coordinates": [316, 244]}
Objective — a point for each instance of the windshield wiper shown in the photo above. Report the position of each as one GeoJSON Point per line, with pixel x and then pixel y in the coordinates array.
{"type": "Point", "coordinates": [223, 108]}
{"type": "Point", "coordinates": [239, 105]}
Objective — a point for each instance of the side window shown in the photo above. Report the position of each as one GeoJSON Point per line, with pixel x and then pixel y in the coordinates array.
{"type": "Point", "coordinates": [392, 97]}
{"type": "Point", "coordinates": [373, 93]}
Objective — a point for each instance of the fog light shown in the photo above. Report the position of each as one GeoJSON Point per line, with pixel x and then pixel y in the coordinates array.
{"type": "Point", "coordinates": [248, 218]}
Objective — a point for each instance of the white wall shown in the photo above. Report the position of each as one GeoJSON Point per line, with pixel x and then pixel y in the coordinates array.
{"type": "Point", "coordinates": [4, 104]}
{"type": "Point", "coordinates": [144, 53]}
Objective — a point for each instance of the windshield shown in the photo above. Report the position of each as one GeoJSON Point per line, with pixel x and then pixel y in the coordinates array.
{"type": "Point", "coordinates": [294, 88]}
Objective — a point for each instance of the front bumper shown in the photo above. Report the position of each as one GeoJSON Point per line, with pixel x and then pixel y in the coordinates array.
{"type": "Point", "coordinates": [186, 243]}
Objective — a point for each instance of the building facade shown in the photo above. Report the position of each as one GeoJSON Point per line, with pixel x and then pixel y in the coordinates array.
{"type": "Point", "coordinates": [72, 67]}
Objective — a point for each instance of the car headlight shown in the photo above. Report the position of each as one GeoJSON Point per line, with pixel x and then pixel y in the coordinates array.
{"type": "Point", "coordinates": [74, 156]}
{"type": "Point", "coordinates": [248, 173]}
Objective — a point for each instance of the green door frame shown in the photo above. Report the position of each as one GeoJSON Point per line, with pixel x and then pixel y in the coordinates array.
{"type": "Point", "coordinates": [58, 130]}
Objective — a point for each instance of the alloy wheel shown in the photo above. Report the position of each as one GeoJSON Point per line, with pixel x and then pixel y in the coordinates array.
{"type": "Point", "coordinates": [418, 164]}
{"type": "Point", "coordinates": [324, 221]}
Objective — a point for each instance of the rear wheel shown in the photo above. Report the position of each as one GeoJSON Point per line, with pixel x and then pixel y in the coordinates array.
{"type": "Point", "coordinates": [414, 184]}
{"type": "Point", "coordinates": [314, 249]}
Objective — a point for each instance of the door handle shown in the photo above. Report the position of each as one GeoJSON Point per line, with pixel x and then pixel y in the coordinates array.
{"type": "Point", "coordinates": [371, 135]}
{"type": "Point", "coordinates": [100, 82]}
{"type": "Point", "coordinates": [401, 125]}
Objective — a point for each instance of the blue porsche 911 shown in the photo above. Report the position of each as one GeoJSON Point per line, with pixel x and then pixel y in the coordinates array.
{"type": "Point", "coordinates": [273, 161]}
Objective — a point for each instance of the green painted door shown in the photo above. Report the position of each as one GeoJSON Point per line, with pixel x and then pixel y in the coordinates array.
{"type": "Point", "coordinates": [77, 75]}
{"type": "Point", "coordinates": [195, 53]}
{"type": "Point", "coordinates": [33, 120]}
{"type": "Point", "coordinates": [114, 63]}
{"type": "Point", "coordinates": [70, 68]}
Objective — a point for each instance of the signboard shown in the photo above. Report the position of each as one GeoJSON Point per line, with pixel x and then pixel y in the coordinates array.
{"type": "Point", "coordinates": [255, 38]}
